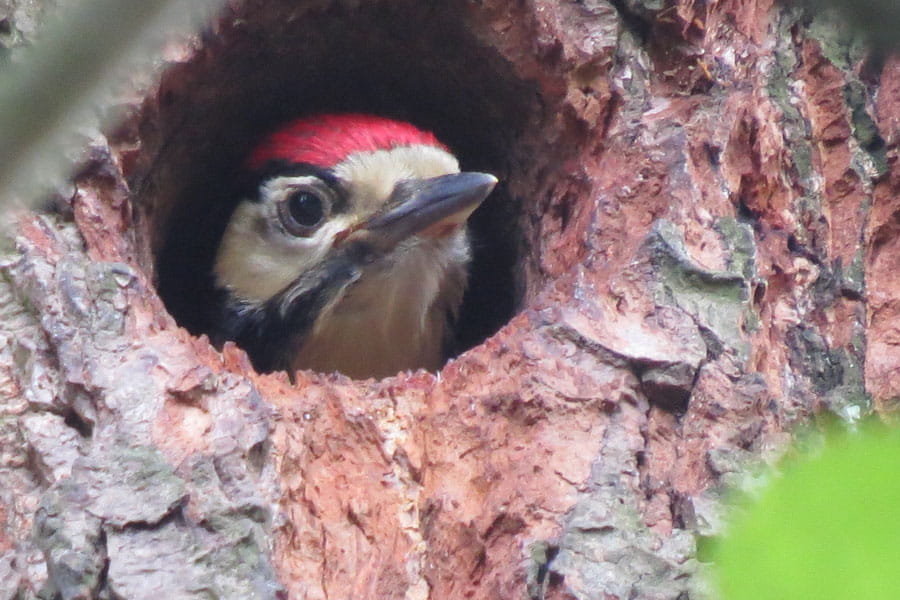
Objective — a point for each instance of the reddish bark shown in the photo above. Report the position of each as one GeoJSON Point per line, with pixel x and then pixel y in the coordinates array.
{"type": "Point", "coordinates": [704, 198]}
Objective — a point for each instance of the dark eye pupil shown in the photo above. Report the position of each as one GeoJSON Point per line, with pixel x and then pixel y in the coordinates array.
{"type": "Point", "coordinates": [306, 209]}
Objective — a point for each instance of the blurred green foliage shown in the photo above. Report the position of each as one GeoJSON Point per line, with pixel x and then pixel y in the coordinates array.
{"type": "Point", "coordinates": [826, 528]}
{"type": "Point", "coordinates": [51, 88]}
{"type": "Point", "coordinates": [876, 20]}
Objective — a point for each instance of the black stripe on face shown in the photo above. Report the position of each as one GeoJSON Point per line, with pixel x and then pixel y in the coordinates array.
{"type": "Point", "coordinates": [250, 186]}
{"type": "Point", "coordinates": [272, 332]}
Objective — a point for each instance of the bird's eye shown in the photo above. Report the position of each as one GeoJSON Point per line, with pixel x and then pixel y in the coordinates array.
{"type": "Point", "coordinates": [303, 211]}
{"type": "Point", "coordinates": [306, 208]}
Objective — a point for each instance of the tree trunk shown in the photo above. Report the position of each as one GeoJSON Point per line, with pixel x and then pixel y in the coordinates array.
{"type": "Point", "coordinates": [694, 249]}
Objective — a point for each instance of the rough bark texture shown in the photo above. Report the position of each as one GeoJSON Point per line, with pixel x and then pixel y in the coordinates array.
{"type": "Point", "coordinates": [698, 229]}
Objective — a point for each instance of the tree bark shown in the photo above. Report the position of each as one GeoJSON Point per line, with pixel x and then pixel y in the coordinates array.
{"type": "Point", "coordinates": [700, 211]}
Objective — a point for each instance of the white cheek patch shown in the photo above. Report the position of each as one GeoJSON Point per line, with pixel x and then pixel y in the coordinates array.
{"type": "Point", "coordinates": [257, 259]}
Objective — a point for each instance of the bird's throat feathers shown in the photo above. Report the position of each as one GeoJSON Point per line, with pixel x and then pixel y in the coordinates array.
{"type": "Point", "coordinates": [376, 320]}
{"type": "Point", "coordinates": [397, 315]}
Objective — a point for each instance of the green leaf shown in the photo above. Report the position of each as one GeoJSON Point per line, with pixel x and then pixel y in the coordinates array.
{"type": "Point", "coordinates": [828, 527]}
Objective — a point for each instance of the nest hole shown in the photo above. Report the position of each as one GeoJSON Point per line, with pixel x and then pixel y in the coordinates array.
{"type": "Point", "coordinates": [269, 62]}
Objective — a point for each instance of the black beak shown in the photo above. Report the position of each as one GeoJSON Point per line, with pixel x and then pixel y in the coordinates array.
{"type": "Point", "coordinates": [431, 207]}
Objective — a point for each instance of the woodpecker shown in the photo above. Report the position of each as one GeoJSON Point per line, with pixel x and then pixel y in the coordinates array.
{"type": "Point", "coordinates": [348, 250]}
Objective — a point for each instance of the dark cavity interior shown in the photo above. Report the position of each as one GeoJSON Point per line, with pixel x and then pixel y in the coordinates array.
{"type": "Point", "coordinates": [269, 62]}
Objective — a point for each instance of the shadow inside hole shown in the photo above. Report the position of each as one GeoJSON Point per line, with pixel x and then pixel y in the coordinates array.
{"type": "Point", "coordinates": [411, 62]}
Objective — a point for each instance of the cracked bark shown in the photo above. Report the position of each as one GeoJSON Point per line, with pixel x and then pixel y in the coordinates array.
{"type": "Point", "coordinates": [705, 199]}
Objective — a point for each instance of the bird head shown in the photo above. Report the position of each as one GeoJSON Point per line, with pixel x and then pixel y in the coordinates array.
{"type": "Point", "coordinates": [349, 242]}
